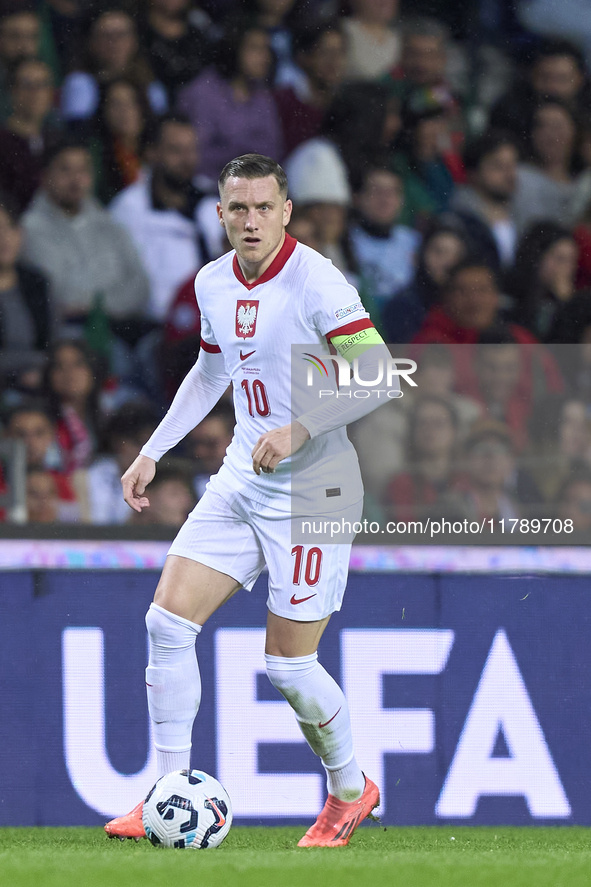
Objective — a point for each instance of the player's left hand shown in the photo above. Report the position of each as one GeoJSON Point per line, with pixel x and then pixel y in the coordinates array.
{"type": "Point", "coordinates": [274, 446]}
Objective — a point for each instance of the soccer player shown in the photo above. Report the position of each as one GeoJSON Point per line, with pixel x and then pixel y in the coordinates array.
{"type": "Point", "coordinates": [255, 302]}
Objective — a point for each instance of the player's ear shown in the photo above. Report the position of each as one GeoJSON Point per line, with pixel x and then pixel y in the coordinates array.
{"type": "Point", "coordinates": [287, 208]}
{"type": "Point", "coordinates": [220, 214]}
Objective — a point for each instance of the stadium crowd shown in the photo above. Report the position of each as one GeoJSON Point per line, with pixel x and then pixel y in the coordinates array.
{"type": "Point", "coordinates": [439, 154]}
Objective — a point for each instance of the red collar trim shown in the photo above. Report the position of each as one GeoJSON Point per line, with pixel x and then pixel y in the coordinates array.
{"type": "Point", "coordinates": [288, 246]}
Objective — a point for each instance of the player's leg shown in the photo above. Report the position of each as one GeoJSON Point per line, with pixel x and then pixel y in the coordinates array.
{"type": "Point", "coordinates": [193, 585]}
{"type": "Point", "coordinates": [323, 716]}
{"type": "Point", "coordinates": [212, 556]}
{"type": "Point", "coordinates": [319, 703]}
{"type": "Point", "coordinates": [306, 585]}
{"type": "Point", "coordinates": [187, 595]}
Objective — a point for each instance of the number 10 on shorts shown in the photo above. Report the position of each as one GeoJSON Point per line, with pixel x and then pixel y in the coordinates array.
{"type": "Point", "coordinates": [313, 565]}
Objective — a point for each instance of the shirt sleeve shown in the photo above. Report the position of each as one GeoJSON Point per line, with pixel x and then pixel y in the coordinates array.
{"type": "Point", "coordinates": [331, 302]}
{"type": "Point", "coordinates": [347, 407]}
{"type": "Point", "coordinates": [199, 392]}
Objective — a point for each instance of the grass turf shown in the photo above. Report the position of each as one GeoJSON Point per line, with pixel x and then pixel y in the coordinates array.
{"type": "Point", "coordinates": [268, 857]}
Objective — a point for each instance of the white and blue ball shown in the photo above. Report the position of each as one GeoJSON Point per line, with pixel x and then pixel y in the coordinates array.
{"type": "Point", "coordinates": [187, 809]}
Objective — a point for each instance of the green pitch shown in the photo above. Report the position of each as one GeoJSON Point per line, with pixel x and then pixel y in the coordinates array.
{"type": "Point", "coordinates": [268, 857]}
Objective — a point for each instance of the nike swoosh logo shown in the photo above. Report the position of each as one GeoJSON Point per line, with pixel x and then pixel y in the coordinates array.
{"type": "Point", "coordinates": [244, 356]}
{"type": "Point", "coordinates": [221, 818]}
{"type": "Point", "coordinates": [332, 719]}
{"type": "Point", "coordinates": [294, 600]}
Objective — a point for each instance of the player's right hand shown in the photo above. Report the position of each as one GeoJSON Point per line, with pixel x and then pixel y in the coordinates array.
{"type": "Point", "coordinates": [136, 479]}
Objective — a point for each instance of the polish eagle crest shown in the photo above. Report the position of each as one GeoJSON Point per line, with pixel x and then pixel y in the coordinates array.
{"type": "Point", "coordinates": [246, 318]}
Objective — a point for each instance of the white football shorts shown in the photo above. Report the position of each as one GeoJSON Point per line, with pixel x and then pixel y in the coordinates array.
{"type": "Point", "coordinates": [238, 538]}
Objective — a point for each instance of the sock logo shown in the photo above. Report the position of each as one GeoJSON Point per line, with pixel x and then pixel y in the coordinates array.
{"type": "Point", "coordinates": [331, 719]}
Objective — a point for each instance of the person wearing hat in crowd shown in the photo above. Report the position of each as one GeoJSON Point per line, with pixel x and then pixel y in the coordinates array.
{"type": "Point", "coordinates": [361, 125]}
{"type": "Point", "coordinates": [319, 183]}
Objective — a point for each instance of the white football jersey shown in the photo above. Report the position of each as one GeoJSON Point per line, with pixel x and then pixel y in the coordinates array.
{"type": "Point", "coordinates": [302, 299]}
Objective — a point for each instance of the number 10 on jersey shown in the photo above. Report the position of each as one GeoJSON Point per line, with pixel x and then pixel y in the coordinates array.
{"type": "Point", "coordinates": [256, 396]}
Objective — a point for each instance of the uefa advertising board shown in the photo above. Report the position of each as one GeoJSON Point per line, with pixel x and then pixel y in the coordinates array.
{"type": "Point", "coordinates": [470, 698]}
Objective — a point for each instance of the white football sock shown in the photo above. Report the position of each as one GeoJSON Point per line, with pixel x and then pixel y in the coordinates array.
{"type": "Point", "coordinates": [173, 685]}
{"type": "Point", "coordinates": [323, 715]}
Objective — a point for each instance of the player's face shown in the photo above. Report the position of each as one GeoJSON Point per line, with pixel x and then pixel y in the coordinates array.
{"type": "Point", "coordinates": [254, 214]}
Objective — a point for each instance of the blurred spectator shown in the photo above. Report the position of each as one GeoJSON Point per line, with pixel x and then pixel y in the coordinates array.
{"type": "Point", "coordinates": [547, 183]}
{"type": "Point", "coordinates": [489, 464]}
{"type": "Point", "coordinates": [208, 442]}
{"type": "Point", "coordinates": [171, 499]}
{"type": "Point", "coordinates": [43, 502]}
{"type": "Point", "coordinates": [302, 227]}
{"type": "Point", "coordinates": [230, 104]}
{"type": "Point", "coordinates": [443, 247]}
{"type": "Point", "coordinates": [431, 457]}
{"type": "Point", "coordinates": [72, 386]}
{"type": "Point", "coordinates": [125, 433]}
{"type": "Point", "coordinates": [181, 338]}
{"type": "Point", "coordinates": [542, 281]}
{"type": "Point", "coordinates": [20, 30]}
{"type": "Point", "coordinates": [556, 70]}
{"type": "Point", "coordinates": [373, 43]}
{"type": "Point", "coordinates": [62, 23]}
{"type": "Point", "coordinates": [110, 50]}
{"type": "Point", "coordinates": [75, 242]}
{"type": "Point", "coordinates": [582, 236]}
{"type": "Point", "coordinates": [574, 502]}
{"type": "Point", "coordinates": [560, 434]}
{"type": "Point", "coordinates": [380, 438]}
{"type": "Point", "coordinates": [424, 57]}
{"type": "Point", "coordinates": [119, 135]}
{"type": "Point", "coordinates": [573, 326]}
{"type": "Point", "coordinates": [282, 19]}
{"type": "Point", "coordinates": [176, 41]}
{"type": "Point", "coordinates": [499, 370]}
{"type": "Point", "coordinates": [486, 202]}
{"type": "Point", "coordinates": [385, 250]}
{"type": "Point", "coordinates": [32, 423]}
{"type": "Point", "coordinates": [567, 19]}
{"type": "Point", "coordinates": [471, 305]}
{"type": "Point", "coordinates": [319, 184]}
{"type": "Point", "coordinates": [320, 52]}
{"type": "Point", "coordinates": [359, 129]}
{"type": "Point", "coordinates": [25, 312]}
{"type": "Point", "coordinates": [173, 224]}
{"type": "Point", "coordinates": [425, 158]}
{"type": "Point", "coordinates": [27, 132]}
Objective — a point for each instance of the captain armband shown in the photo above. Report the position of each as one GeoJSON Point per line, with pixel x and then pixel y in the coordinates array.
{"type": "Point", "coordinates": [355, 344]}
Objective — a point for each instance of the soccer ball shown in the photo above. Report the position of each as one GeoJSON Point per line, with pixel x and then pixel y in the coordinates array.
{"type": "Point", "coordinates": [185, 809]}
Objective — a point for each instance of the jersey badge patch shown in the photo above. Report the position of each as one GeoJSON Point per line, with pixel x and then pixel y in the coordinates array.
{"type": "Point", "coordinates": [350, 309]}
{"type": "Point", "coordinates": [246, 317]}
